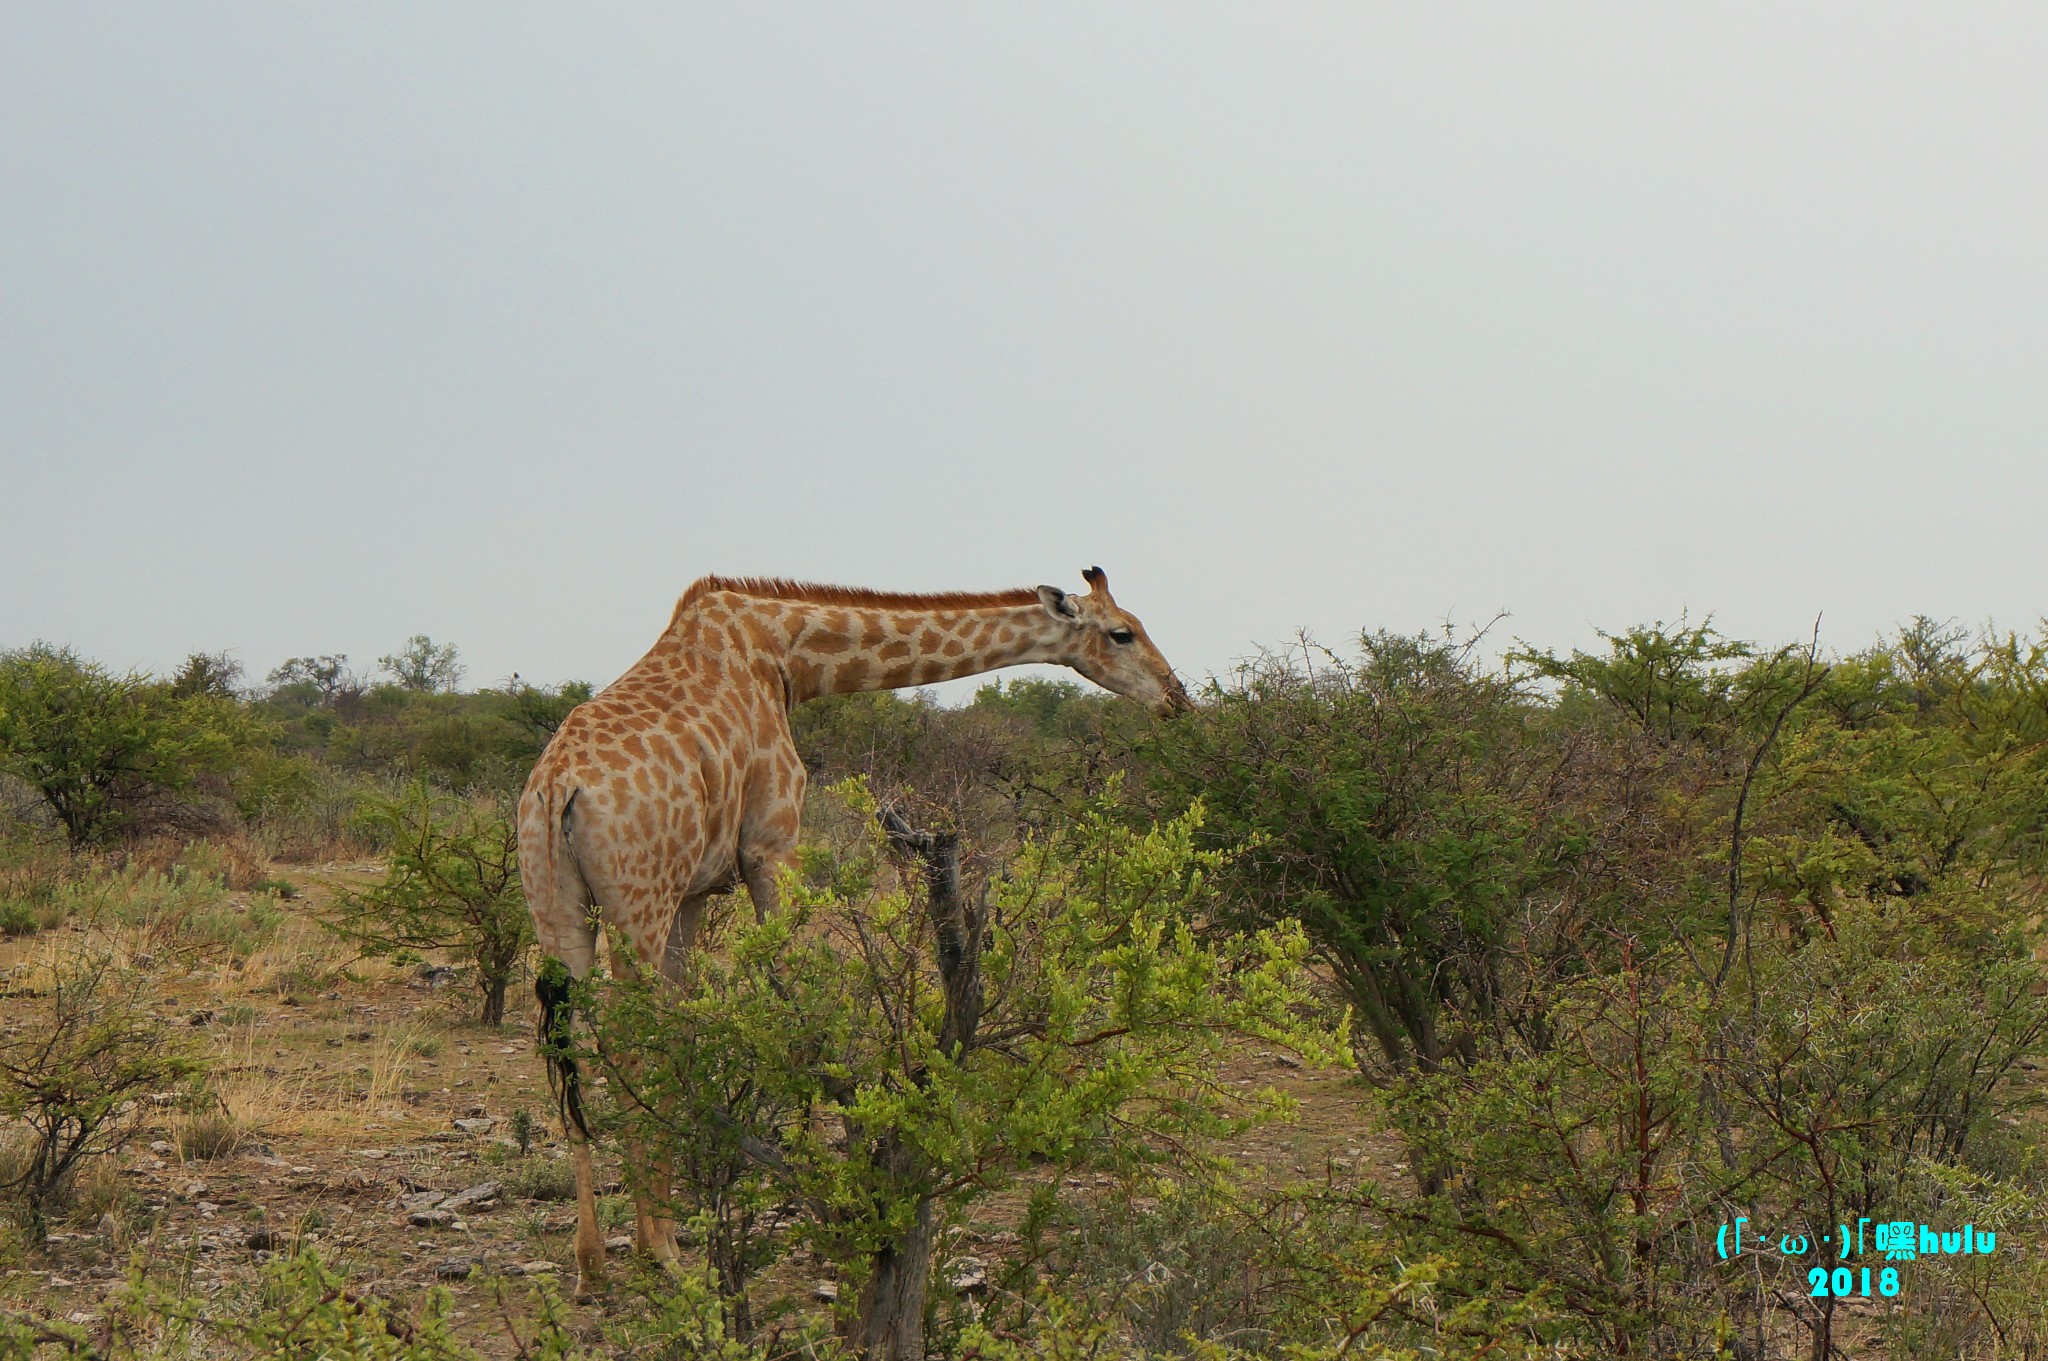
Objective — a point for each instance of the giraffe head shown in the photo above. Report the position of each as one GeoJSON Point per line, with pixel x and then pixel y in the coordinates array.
{"type": "Point", "coordinates": [1109, 646]}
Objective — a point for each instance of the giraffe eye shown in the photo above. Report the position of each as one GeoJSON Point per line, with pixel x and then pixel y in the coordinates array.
{"type": "Point", "coordinates": [1122, 636]}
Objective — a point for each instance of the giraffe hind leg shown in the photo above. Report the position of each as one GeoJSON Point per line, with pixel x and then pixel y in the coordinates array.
{"type": "Point", "coordinates": [560, 902]}
{"type": "Point", "coordinates": [649, 1171]}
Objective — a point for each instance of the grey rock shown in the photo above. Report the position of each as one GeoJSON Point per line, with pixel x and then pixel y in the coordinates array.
{"type": "Point", "coordinates": [430, 1219]}
{"type": "Point", "coordinates": [474, 1198]}
{"type": "Point", "coordinates": [456, 1268]}
{"type": "Point", "coordinates": [968, 1276]}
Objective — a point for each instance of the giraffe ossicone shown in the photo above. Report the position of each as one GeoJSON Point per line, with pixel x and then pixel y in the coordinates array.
{"type": "Point", "coordinates": [681, 778]}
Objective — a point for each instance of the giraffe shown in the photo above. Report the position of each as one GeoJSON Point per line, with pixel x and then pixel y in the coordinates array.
{"type": "Point", "coordinates": [681, 779]}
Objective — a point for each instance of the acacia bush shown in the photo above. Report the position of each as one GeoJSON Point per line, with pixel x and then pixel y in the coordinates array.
{"type": "Point", "coordinates": [1646, 938]}
{"type": "Point", "coordinates": [79, 1048]}
{"type": "Point", "coordinates": [451, 883]}
{"type": "Point", "coordinates": [886, 1063]}
{"type": "Point", "coordinates": [1400, 806]}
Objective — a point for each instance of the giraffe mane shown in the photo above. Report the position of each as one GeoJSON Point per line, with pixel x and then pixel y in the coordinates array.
{"type": "Point", "coordinates": [811, 592]}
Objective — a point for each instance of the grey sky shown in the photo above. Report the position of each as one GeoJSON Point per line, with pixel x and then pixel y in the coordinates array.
{"type": "Point", "coordinates": [325, 325]}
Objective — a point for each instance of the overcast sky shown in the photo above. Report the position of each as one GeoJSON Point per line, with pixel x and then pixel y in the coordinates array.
{"type": "Point", "coordinates": [323, 325]}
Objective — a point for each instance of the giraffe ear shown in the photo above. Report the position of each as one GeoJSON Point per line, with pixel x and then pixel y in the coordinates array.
{"type": "Point", "coordinates": [1058, 604]}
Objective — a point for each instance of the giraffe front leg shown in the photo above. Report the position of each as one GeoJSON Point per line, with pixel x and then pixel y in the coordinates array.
{"type": "Point", "coordinates": [761, 886]}
{"type": "Point", "coordinates": [762, 859]}
{"type": "Point", "coordinates": [769, 833]}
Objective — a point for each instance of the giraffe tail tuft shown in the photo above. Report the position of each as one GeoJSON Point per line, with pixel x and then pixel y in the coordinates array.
{"type": "Point", "coordinates": [557, 1019]}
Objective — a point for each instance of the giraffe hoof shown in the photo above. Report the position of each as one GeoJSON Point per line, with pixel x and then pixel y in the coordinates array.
{"type": "Point", "coordinates": [670, 1261]}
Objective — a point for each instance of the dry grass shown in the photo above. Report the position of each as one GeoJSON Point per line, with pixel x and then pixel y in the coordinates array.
{"type": "Point", "coordinates": [401, 1046]}
{"type": "Point", "coordinates": [298, 958]}
{"type": "Point", "coordinates": [254, 1097]}
{"type": "Point", "coordinates": [33, 894]}
{"type": "Point", "coordinates": [98, 1198]}
{"type": "Point", "coordinates": [207, 1135]}
{"type": "Point", "coordinates": [233, 863]}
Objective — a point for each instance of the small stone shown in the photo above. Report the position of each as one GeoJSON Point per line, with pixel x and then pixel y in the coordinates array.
{"type": "Point", "coordinates": [207, 1209]}
{"type": "Point", "coordinates": [161, 1147]}
{"type": "Point", "coordinates": [371, 1153]}
{"type": "Point", "coordinates": [456, 1268]}
{"type": "Point", "coordinates": [537, 1268]}
{"type": "Point", "coordinates": [619, 1243]}
{"type": "Point", "coordinates": [263, 1240]}
{"type": "Point", "coordinates": [194, 1189]}
{"type": "Point", "coordinates": [199, 1018]}
{"type": "Point", "coordinates": [79, 1316]}
{"type": "Point", "coordinates": [968, 1276]}
{"type": "Point", "coordinates": [424, 1200]}
{"type": "Point", "coordinates": [483, 1125]}
{"type": "Point", "coordinates": [430, 1219]}
{"type": "Point", "coordinates": [825, 1291]}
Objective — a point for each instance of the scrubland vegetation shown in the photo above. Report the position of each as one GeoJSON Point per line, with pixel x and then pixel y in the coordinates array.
{"type": "Point", "coordinates": [1399, 1001]}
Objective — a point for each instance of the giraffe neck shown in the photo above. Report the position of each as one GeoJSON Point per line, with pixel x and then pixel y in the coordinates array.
{"type": "Point", "coordinates": [837, 649]}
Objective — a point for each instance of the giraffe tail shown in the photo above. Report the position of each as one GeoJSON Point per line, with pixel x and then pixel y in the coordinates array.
{"type": "Point", "coordinates": [554, 986]}
{"type": "Point", "coordinates": [557, 1019]}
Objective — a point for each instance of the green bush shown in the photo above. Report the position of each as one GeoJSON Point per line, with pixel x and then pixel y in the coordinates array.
{"type": "Point", "coordinates": [106, 752]}
{"type": "Point", "coordinates": [1395, 806]}
{"type": "Point", "coordinates": [885, 1061]}
{"type": "Point", "coordinates": [452, 883]}
{"type": "Point", "coordinates": [539, 1179]}
{"type": "Point", "coordinates": [80, 1047]}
